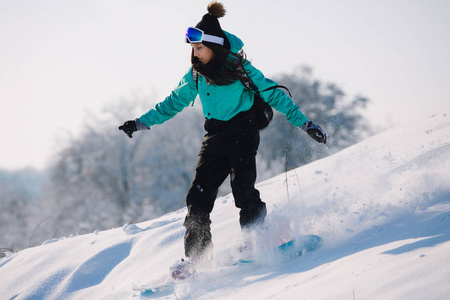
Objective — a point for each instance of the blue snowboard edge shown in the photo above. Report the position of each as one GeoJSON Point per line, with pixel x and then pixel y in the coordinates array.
{"type": "Point", "coordinates": [307, 243]}
{"type": "Point", "coordinates": [160, 290]}
{"type": "Point", "coordinates": [293, 248]}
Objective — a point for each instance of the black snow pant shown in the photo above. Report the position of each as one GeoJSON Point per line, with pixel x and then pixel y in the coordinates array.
{"type": "Point", "coordinates": [228, 148]}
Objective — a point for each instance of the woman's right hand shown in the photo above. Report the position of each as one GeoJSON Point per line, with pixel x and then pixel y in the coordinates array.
{"type": "Point", "coordinates": [129, 127]}
{"type": "Point", "coordinates": [132, 126]}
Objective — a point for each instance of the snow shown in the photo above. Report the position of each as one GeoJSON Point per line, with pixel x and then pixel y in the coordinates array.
{"type": "Point", "coordinates": [382, 207]}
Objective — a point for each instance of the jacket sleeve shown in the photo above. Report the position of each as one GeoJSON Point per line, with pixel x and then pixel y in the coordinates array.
{"type": "Point", "coordinates": [179, 98]}
{"type": "Point", "coordinates": [276, 97]}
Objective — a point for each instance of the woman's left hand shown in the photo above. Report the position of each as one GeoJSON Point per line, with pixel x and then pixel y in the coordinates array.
{"type": "Point", "coordinates": [315, 131]}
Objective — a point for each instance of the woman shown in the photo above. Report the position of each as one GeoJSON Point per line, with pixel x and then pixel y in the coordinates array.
{"type": "Point", "coordinates": [231, 142]}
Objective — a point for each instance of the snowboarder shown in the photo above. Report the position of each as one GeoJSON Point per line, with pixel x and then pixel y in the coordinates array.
{"type": "Point", "coordinates": [232, 135]}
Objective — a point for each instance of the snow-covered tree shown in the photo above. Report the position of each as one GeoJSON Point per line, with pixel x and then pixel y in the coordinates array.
{"type": "Point", "coordinates": [18, 200]}
{"type": "Point", "coordinates": [324, 104]}
{"type": "Point", "coordinates": [103, 179]}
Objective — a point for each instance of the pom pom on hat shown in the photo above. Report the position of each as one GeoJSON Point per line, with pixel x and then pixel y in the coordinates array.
{"type": "Point", "coordinates": [216, 9]}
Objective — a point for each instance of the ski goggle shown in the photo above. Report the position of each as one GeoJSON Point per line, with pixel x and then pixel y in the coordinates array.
{"type": "Point", "coordinates": [196, 36]}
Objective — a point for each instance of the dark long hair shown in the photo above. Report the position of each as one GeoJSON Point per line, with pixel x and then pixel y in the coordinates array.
{"type": "Point", "coordinates": [223, 69]}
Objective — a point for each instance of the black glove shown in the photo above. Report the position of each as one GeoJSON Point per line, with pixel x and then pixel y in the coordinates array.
{"type": "Point", "coordinates": [315, 131]}
{"type": "Point", "coordinates": [132, 126]}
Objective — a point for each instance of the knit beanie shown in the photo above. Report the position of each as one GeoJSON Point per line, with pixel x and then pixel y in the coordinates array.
{"type": "Point", "coordinates": [210, 23]}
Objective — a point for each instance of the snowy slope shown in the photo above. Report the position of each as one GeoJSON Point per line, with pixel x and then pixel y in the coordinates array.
{"type": "Point", "coordinates": [382, 207]}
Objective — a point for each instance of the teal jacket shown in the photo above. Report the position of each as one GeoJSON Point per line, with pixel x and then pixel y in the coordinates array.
{"type": "Point", "coordinates": [223, 102]}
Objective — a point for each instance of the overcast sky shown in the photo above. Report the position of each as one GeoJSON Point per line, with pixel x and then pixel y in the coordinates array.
{"type": "Point", "coordinates": [59, 58]}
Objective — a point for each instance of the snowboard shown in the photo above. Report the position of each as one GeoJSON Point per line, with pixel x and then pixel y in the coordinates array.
{"type": "Point", "coordinates": [287, 251]}
{"type": "Point", "coordinates": [165, 289]}
{"type": "Point", "coordinates": [292, 248]}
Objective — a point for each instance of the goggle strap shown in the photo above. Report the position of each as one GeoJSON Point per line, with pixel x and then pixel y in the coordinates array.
{"type": "Point", "coordinates": [213, 39]}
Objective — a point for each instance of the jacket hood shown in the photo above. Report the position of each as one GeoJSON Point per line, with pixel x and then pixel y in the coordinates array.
{"type": "Point", "coordinates": [236, 43]}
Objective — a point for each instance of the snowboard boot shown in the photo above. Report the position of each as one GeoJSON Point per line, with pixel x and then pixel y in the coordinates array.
{"type": "Point", "coordinates": [182, 269]}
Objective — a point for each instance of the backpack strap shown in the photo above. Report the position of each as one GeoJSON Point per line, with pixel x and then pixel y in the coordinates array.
{"type": "Point", "coordinates": [249, 84]}
{"type": "Point", "coordinates": [195, 77]}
